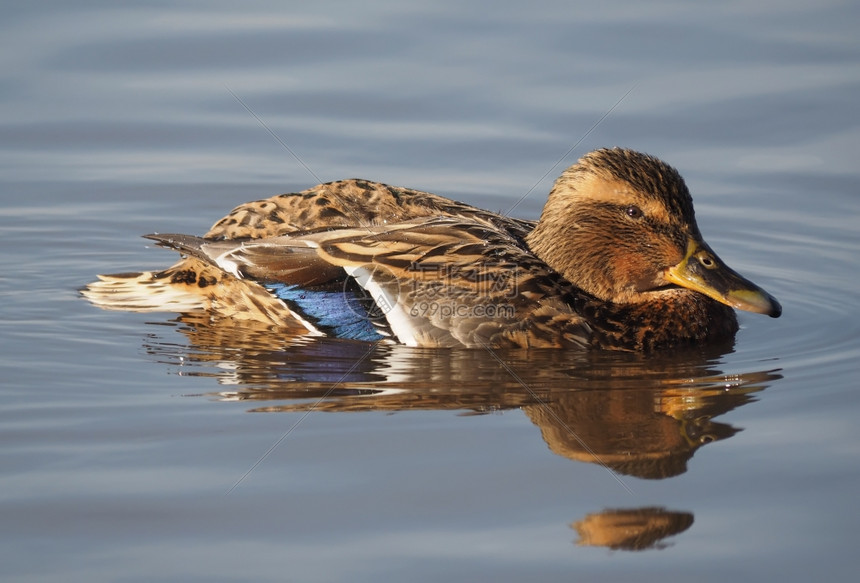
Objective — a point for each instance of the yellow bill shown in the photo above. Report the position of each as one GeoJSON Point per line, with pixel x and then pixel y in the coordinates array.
{"type": "Point", "coordinates": [702, 271]}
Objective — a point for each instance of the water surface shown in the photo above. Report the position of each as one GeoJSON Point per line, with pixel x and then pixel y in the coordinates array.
{"type": "Point", "coordinates": [161, 447]}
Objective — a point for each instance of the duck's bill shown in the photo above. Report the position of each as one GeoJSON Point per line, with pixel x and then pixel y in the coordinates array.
{"type": "Point", "coordinates": [701, 270]}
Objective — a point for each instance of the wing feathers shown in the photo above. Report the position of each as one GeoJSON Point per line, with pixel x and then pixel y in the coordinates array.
{"type": "Point", "coordinates": [428, 282]}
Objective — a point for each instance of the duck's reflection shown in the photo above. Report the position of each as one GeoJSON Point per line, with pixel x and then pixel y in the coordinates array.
{"type": "Point", "coordinates": [642, 416]}
{"type": "Point", "coordinates": [635, 529]}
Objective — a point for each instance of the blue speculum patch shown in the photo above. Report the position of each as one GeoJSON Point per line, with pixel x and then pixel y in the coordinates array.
{"type": "Point", "coordinates": [341, 313]}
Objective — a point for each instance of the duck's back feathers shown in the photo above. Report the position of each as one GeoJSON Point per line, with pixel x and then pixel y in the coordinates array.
{"type": "Point", "coordinates": [348, 203]}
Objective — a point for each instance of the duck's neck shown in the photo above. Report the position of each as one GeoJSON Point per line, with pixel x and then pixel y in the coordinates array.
{"type": "Point", "coordinates": [562, 250]}
{"type": "Point", "coordinates": [672, 318]}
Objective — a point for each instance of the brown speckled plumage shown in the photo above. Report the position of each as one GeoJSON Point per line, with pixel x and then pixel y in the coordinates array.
{"type": "Point", "coordinates": [607, 265]}
{"type": "Point", "coordinates": [347, 203]}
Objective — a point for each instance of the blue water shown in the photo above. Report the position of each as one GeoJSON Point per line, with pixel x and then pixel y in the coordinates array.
{"type": "Point", "coordinates": [154, 447]}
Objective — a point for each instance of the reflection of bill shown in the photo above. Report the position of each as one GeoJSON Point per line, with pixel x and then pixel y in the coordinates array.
{"type": "Point", "coordinates": [635, 529]}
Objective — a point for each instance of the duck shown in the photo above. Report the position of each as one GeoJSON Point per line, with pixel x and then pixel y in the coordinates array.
{"type": "Point", "coordinates": [615, 261]}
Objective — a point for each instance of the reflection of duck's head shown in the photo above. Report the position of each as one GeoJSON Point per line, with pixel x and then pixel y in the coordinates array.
{"type": "Point", "coordinates": [620, 225]}
{"type": "Point", "coordinates": [646, 433]}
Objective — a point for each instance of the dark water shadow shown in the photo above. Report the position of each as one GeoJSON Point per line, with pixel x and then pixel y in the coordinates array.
{"type": "Point", "coordinates": [636, 415]}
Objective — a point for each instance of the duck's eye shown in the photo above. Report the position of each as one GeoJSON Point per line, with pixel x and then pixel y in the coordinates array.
{"type": "Point", "coordinates": [706, 260]}
{"type": "Point", "coordinates": [633, 211]}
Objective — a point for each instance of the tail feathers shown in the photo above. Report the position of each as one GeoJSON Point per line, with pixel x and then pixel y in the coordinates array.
{"type": "Point", "coordinates": [192, 286]}
{"type": "Point", "coordinates": [143, 292]}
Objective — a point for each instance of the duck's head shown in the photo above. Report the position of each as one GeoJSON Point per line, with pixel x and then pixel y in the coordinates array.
{"type": "Point", "coordinates": [620, 225]}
